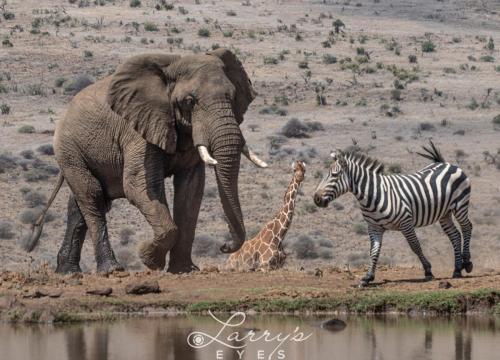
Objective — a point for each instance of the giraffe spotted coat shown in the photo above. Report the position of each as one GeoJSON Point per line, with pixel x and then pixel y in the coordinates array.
{"type": "Point", "coordinates": [265, 250]}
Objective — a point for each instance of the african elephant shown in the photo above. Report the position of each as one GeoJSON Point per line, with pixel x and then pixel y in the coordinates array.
{"type": "Point", "coordinates": [158, 115]}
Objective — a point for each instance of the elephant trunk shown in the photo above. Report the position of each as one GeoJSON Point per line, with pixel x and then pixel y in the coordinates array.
{"type": "Point", "coordinates": [225, 142]}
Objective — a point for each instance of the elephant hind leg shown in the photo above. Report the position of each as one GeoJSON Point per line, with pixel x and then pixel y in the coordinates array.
{"type": "Point", "coordinates": [68, 258]}
{"type": "Point", "coordinates": [93, 206]}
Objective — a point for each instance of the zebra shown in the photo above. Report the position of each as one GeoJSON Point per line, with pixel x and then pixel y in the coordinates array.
{"type": "Point", "coordinates": [438, 192]}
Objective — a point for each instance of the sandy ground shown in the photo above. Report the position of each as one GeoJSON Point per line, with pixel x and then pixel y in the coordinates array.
{"type": "Point", "coordinates": [70, 41]}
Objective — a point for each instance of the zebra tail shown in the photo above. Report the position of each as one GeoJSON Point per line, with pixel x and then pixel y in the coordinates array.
{"type": "Point", "coordinates": [433, 153]}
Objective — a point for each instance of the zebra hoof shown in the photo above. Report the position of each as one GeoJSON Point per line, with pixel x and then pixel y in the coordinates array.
{"type": "Point", "coordinates": [367, 278]}
{"type": "Point", "coordinates": [363, 284]}
{"type": "Point", "coordinates": [457, 274]}
{"type": "Point", "coordinates": [467, 266]}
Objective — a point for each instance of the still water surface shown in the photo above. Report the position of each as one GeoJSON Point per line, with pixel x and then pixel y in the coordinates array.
{"type": "Point", "coordinates": [166, 338]}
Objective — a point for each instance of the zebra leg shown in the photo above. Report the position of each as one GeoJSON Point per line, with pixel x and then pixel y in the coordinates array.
{"type": "Point", "coordinates": [462, 217]}
{"type": "Point", "coordinates": [376, 235]}
{"type": "Point", "coordinates": [409, 233]}
{"type": "Point", "coordinates": [456, 240]}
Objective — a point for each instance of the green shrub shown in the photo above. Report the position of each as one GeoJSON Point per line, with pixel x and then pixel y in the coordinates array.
{"type": "Point", "coordinates": [428, 46]}
{"type": "Point", "coordinates": [46, 149]}
{"type": "Point", "coordinates": [304, 248]}
{"type": "Point", "coordinates": [26, 129]}
{"type": "Point", "coordinates": [135, 3]}
{"type": "Point", "coordinates": [303, 65]}
{"type": "Point", "coordinates": [9, 15]}
{"type": "Point", "coordinates": [329, 59]}
{"type": "Point", "coordinates": [7, 43]}
{"type": "Point", "coordinates": [87, 54]}
{"type": "Point", "coordinates": [34, 199]}
{"type": "Point", "coordinates": [6, 230]}
{"type": "Point", "coordinates": [59, 81]}
{"type": "Point", "coordinates": [27, 154]}
{"type": "Point", "coordinates": [360, 228]}
{"type": "Point", "coordinates": [396, 94]}
{"type": "Point", "coordinates": [204, 32]}
{"type": "Point", "coordinates": [29, 216]}
{"type": "Point", "coordinates": [487, 58]}
{"type": "Point", "coordinates": [394, 169]}
{"type": "Point", "coordinates": [231, 13]}
{"type": "Point", "coordinates": [149, 26]}
{"type": "Point", "coordinates": [412, 59]}
{"type": "Point", "coordinates": [4, 109]}
{"type": "Point", "coordinates": [426, 126]}
{"type": "Point", "coordinates": [473, 104]}
{"type": "Point", "coordinates": [227, 34]}
{"type": "Point", "coordinates": [270, 60]}
{"type": "Point", "coordinates": [78, 84]}
{"type": "Point", "coordinates": [496, 120]}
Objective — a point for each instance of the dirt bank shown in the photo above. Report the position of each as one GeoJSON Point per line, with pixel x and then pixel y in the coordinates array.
{"type": "Point", "coordinates": [43, 296]}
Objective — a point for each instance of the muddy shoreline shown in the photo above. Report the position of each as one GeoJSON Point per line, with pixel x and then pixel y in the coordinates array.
{"type": "Point", "coordinates": [45, 297]}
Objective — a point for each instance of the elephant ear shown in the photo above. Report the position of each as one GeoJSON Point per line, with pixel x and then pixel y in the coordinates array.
{"type": "Point", "coordinates": [238, 76]}
{"type": "Point", "coordinates": [139, 93]}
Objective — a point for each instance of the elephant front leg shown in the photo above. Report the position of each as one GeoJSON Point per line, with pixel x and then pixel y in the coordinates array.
{"type": "Point", "coordinates": [68, 258]}
{"type": "Point", "coordinates": [188, 186]}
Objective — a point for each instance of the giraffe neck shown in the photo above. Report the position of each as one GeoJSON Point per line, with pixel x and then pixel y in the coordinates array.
{"type": "Point", "coordinates": [283, 219]}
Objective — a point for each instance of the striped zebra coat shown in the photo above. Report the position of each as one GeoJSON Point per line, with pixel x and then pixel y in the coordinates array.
{"type": "Point", "coordinates": [438, 192]}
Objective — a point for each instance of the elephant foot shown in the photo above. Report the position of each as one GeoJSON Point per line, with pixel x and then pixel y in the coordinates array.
{"type": "Point", "coordinates": [152, 256]}
{"type": "Point", "coordinates": [182, 268]}
{"type": "Point", "coordinates": [109, 266]}
{"type": "Point", "coordinates": [67, 268]}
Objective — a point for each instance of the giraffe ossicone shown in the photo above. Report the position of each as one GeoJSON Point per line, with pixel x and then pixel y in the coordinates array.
{"type": "Point", "coordinates": [265, 250]}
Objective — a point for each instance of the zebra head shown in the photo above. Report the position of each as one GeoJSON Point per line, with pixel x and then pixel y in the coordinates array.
{"type": "Point", "coordinates": [335, 183]}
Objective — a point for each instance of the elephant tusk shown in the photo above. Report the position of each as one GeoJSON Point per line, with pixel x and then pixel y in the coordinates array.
{"type": "Point", "coordinates": [252, 157]}
{"type": "Point", "coordinates": [205, 155]}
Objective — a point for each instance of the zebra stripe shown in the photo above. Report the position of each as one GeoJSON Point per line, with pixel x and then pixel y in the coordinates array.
{"type": "Point", "coordinates": [403, 202]}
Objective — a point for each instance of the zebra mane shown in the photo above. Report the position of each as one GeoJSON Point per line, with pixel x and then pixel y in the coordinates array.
{"type": "Point", "coordinates": [365, 161]}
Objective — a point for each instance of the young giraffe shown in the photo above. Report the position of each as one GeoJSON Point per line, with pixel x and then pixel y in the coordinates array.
{"type": "Point", "coordinates": [265, 250]}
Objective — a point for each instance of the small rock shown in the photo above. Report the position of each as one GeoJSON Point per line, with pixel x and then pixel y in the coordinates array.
{"type": "Point", "coordinates": [333, 325]}
{"type": "Point", "coordinates": [141, 288]}
{"type": "Point", "coordinates": [106, 291]}
{"type": "Point", "coordinates": [121, 274]}
{"type": "Point", "coordinates": [444, 284]}
{"type": "Point", "coordinates": [39, 293]}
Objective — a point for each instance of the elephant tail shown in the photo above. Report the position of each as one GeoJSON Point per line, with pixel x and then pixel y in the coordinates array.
{"type": "Point", "coordinates": [37, 227]}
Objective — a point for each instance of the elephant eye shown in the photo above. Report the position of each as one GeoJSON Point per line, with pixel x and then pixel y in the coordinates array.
{"type": "Point", "coordinates": [188, 102]}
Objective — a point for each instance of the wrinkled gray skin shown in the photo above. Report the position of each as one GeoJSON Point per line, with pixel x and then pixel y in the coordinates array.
{"type": "Point", "coordinates": [124, 134]}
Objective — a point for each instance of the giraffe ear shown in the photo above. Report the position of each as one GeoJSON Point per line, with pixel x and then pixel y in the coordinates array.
{"type": "Point", "coordinates": [293, 165]}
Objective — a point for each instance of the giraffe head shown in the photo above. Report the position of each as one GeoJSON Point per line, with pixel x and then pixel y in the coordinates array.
{"type": "Point", "coordinates": [299, 169]}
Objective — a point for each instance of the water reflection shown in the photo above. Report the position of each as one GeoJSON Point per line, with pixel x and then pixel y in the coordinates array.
{"type": "Point", "coordinates": [386, 338]}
